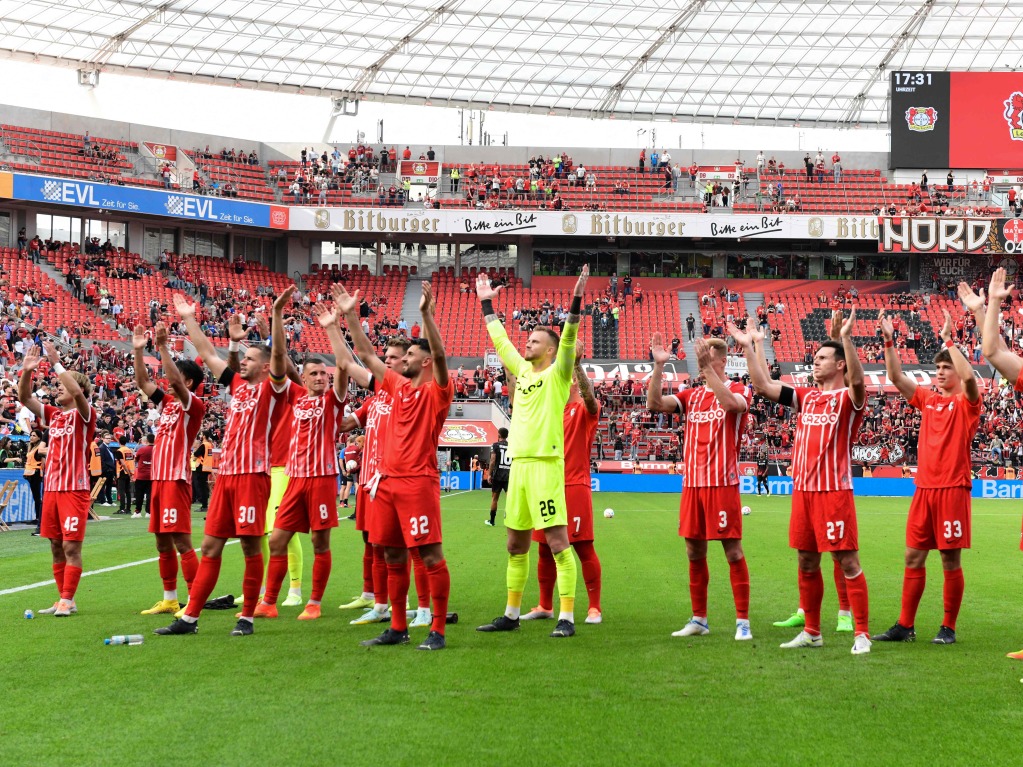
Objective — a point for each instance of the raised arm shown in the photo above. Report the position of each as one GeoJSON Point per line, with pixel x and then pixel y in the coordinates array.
{"type": "Point", "coordinates": [70, 384]}
{"type": "Point", "coordinates": [263, 328]}
{"type": "Point", "coordinates": [759, 375]}
{"type": "Point", "coordinates": [236, 332]}
{"type": "Point", "coordinates": [730, 401]}
{"type": "Point", "coordinates": [993, 347]}
{"type": "Point", "coordinates": [511, 359]}
{"type": "Point", "coordinates": [853, 366]}
{"type": "Point", "coordinates": [962, 365]}
{"type": "Point", "coordinates": [28, 366]}
{"type": "Point", "coordinates": [583, 381]}
{"type": "Point", "coordinates": [656, 402]}
{"type": "Point", "coordinates": [428, 307]}
{"type": "Point", "coordinates": [566, 348]}
{"type": "Point", "coordinates": [170, 369]}
{"type": "Point", "coordinates": [202, 344]}
{"type": "Point", "coordinates": [348, 305]}
{"type": "Point", "coordinates": [278, 342]}
{"type": "Point", "coordinates": [892, 364]}
{"type": "Point", "coordinates": [138, 345]}
{"type": "Point", "coordinates": [342, 355]}
{"type": "Point", "coordinates": [974, 304]}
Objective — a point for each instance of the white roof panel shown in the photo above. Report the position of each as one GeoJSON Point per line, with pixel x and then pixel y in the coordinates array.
{"type": "Point", "coordinates": [776, 62]}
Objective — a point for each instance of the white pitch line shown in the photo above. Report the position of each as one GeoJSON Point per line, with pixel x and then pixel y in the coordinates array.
{"type": "Point", "coordinates": [126, 565]}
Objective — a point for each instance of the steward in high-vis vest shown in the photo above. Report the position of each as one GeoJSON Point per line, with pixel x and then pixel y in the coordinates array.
{"type": "Point", "coordinates": [125, 473]}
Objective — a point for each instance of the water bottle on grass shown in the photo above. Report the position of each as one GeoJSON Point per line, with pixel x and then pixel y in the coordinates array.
{"type": "Point", "coordinates": [124, 639]}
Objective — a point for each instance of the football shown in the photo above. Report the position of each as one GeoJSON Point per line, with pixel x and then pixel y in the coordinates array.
{"type": "Point", "coordinates": [746, 511]}
{"type": "Point", "coordinates": [352, 466]}
{"type": "Point", "coordinates": [609, 513]}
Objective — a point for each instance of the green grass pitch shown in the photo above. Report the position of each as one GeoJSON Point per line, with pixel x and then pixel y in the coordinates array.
{"type": "Point", "coordinates": [624, 691]}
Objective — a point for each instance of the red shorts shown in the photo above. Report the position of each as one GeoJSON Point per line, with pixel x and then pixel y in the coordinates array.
{"type": "Point", "coordinates": [406, 512]}
{"type": "Point", "coordinates": [170, 506]}
{"type": "Point", "coordinates": [65, 513]}
{"type": "Point", "coordinates": [309, 502]}
{"type": "Point", "coordinates": [939, 518]}
{"type": "Point", "coordinates": [238, 506]}
{"type": "Point", "coordinates": [363, 508]}
{"type": "Point", "coordinates": [579, 503]}
{"type": "Point", "coordinates": [823, 521]}
{"type": "Point", "coordinates": [710, 513]}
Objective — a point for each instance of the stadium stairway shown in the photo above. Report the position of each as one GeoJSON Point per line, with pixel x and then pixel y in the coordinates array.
{"type": "Point", "coordinates": [58, 277]}
{"type": "Point", "coordinates": [753, 300]}
{"type": "Point", "coordinates": [689, 302]}
{"type": "Point", "coordinates": [410, 302]}
{"type": "Point", "coordinates": [605, 338]}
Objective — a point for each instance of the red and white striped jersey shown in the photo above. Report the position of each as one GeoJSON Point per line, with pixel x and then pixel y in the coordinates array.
{"type": "Point", "coordinates": [827, 422]}
{"type": "Point", "coordinates": [67, 460]}
{"type": "Point", "coordinates": [175, 433]}
{"type": "Point", "coordinates": [373, 416]}
{"type": "Point", "coordinates": [315, 425]}
{"type": "Point", "coordinates": [710, 449]}
{"type": "Point", "coordinates": [251, 417]}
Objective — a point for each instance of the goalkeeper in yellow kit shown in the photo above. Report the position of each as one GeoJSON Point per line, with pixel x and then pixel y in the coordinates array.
{"type": "Point", "coordinates": [536, 483]}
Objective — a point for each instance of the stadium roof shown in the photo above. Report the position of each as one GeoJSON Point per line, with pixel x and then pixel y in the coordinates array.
{"type": "Point", "coordinates": [810, 63]}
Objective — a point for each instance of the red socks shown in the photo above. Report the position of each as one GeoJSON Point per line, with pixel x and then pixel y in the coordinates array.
{"type": "Point", "coordinates": [953, 596]}
{"type": "Point", "coordinates": [811, 594]}
{"type": "Point", "coordinates": [422, 579]}
{"type": "Point", "coordinates": [699, 577]}
{"type": "Point", "coordinates": [738, 573]}
{"type": "Point", "coordinates": [367, 569]}
{"type": "Point", "coordinates": [203, 585]}
{"type": "Point", "coordinates": [274, 578]}
{"type": "Point", "coordinates": [321, 574]}
{"type": "Point", "coordinates": [169, 570]}
{"type": "Point", "coordinates": [397, 590]}
{"type": "Point", "coordinates": [591, 571]}
{"type": "Point", "coordinates": [547, 575]}
{"type": "Point", "coordinates": [913, 582]}
{"type": "Point", "coordinates": [72, 575]}
{"type": "Point", "coordinates": [379, 576]}
{"type": "Point", "coordinates": [250, 584]}
{"type": "Point", "coordinates": [189, 567]}
{"type": "Point", "coordinates": [440, 587]}
{"type": "Point", "coordinates": [843, 594]}
{"type": "Point", "coordinates": [859, 602]}
{"type": "Point", "coordinates": [58, 575]}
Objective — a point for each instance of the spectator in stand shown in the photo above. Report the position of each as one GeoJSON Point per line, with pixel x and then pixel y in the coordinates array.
{"type": "Point", "coordinates": [406, 154]}
{"type": "Point", "coordinates": [950, 180]}
{"type": "Point", "coordinates": [836, 168]}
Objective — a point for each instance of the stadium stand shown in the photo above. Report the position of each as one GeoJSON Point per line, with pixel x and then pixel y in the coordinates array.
{"type": "Point", "coordinates": [233, 178]}
{"type": "Point", "coordinates": [67, 154]}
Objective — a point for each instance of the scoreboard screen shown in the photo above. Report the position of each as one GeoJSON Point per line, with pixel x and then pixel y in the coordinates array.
{"type": "Point", "coordinates": [956, 120]}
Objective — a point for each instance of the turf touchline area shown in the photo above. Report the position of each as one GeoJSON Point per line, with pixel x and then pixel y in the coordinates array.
{"type": "Point", "coordinates": [623, 687]}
